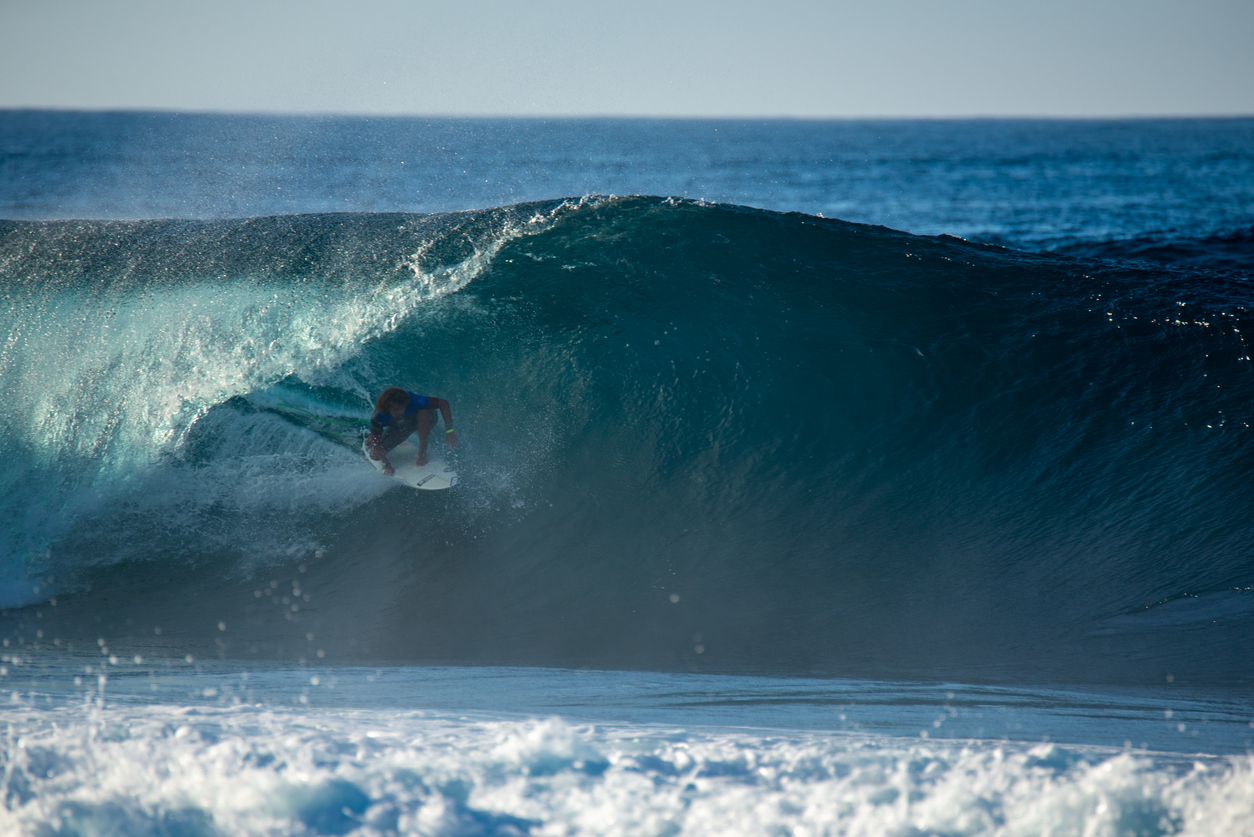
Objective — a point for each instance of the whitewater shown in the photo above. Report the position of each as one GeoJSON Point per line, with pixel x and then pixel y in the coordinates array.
{"type": "Point", "coordinates": [858, 478]}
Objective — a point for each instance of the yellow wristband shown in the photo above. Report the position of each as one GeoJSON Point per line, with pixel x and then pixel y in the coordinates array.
{"type": "Point", "coordinates": [448, 431]}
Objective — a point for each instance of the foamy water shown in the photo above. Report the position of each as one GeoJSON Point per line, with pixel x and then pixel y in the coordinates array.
{"type": "Point", "coordinates": [260, 770]}
{"type": "Point", "coordinates": [990, 502]}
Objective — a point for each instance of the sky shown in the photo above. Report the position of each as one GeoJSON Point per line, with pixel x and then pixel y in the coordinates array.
{"type": "Point", "coordinates": [778, 58]}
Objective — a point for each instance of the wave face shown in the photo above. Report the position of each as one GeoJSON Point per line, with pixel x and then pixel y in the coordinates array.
{"type": "Point", "coordinates": [694, 437]}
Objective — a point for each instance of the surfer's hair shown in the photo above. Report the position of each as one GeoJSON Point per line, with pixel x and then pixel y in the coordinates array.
{"type": "Point", "coordinates": [390, 396]}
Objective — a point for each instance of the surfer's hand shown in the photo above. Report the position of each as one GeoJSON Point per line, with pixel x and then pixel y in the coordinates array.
{"type": "Point", "coordinates": [452, 439]}
{"type": "Point", "coordinates": [387, 470]}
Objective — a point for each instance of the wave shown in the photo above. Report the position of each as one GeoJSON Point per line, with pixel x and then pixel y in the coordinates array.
{"type": "Point", "coordinates": [695, 436]}
{"type": "Point", "coordinates": [1228, 251]}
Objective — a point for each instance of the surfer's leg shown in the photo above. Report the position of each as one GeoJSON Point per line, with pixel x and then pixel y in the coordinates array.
{"type": "Point", "coordinates": [393, 436]}
{"type": "Point", "coordinates": [426, 418]}
{"type": "Point", "coordinates": [398, 432]}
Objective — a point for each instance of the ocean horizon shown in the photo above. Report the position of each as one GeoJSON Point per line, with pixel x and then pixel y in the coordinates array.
{"type": "Point", "coordinates": [849, 477]}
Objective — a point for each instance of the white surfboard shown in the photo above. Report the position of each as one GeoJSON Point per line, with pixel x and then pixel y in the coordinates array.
{"type": "Point", "coordinates": [435, 474]}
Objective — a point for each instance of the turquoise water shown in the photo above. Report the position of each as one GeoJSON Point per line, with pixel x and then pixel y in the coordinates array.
{"type": "Point", "coordinates": [768, 521]}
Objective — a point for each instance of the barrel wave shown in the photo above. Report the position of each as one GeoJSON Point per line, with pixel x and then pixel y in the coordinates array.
{"type": "Point", "coordinates": [695, 436]}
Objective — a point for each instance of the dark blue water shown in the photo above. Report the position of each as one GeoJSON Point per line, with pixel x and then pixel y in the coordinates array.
{"type": "Point", "coordinates": [1025, 183]}
{"type": "Point", "coordinates": [955, 402]}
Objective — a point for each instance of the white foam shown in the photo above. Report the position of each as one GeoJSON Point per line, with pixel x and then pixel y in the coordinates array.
{"type": "Point", "coordinates": [255, 770]}
{"type": "Point", "coordinates": [104, 382]}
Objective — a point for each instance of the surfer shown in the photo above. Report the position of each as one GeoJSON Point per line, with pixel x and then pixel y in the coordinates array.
{"type": "Point", "coordinates": [397, 415]}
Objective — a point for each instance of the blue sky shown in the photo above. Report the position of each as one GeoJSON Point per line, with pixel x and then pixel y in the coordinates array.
{"type": "Point", "coordinates": [646, 58]}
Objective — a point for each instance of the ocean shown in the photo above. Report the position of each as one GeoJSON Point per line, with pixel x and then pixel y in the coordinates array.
{"type": "Point", "coordinates": [816, 477]}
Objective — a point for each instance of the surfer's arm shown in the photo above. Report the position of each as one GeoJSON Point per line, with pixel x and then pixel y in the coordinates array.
{"type": "Point", "coordinates": [376, 450]}
{"type": "Point", "coordinates": [446, 413]}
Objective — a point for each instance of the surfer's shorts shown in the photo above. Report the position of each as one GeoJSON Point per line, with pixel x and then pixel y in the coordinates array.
{"type": "Point", "coordinates": [398, 432]}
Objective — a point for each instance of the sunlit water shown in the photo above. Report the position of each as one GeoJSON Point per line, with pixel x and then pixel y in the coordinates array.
{"type": "Point", "coordinates": [807, 528]}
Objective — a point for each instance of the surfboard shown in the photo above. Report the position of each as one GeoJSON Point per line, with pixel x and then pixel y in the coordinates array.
{"type": "Point", "coordinates": [434, 475]}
